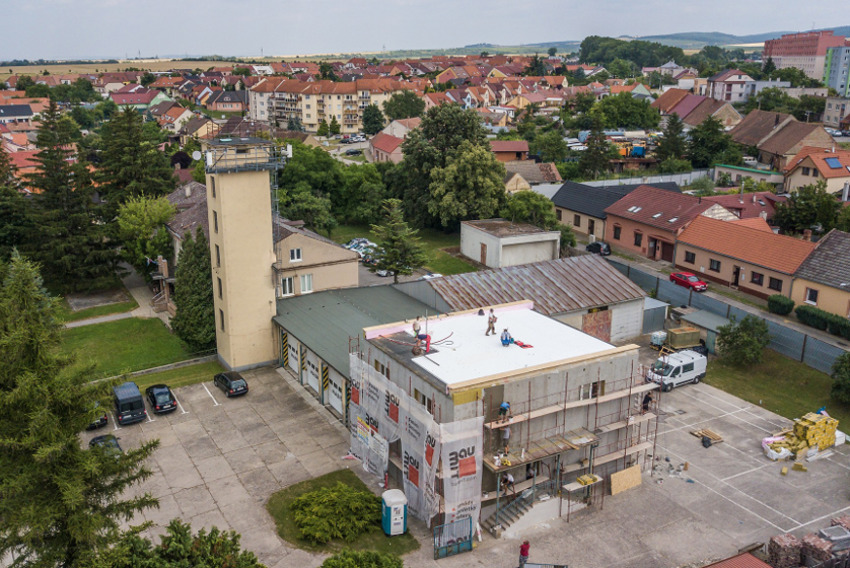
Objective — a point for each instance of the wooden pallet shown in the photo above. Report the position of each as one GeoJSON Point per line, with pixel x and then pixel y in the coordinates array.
{"type": "Point", "coordinates": [713, 436]}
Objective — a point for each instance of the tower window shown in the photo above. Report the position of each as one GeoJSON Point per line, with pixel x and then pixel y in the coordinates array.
{"type": "Point", "coordinates": [220, 288]}
{"type": "Point", "coordinates": [217, 256]}
{"type": "Point", "coordinates": [215, 221]}
{"type": "Point", "coordinates": [212, 186]}
{"type": "Point", "coordinates": [221, 318]}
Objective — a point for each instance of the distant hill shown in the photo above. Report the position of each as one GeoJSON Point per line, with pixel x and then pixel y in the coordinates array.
{"type": "Point", "coordinates": [698, 40]}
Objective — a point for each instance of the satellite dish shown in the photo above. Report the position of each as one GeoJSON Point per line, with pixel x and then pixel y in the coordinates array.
{"type": "Point", "coordinates": [196, 155]}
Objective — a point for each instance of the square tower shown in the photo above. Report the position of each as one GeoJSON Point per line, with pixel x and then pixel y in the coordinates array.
{"type": "Point", "coordinates": [239, 206]}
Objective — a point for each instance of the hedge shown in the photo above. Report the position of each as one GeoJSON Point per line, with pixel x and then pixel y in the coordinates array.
{"type": "Point", "coordinates": [779, 304]}
{"type": "Point", "coordinates": [823, 320]}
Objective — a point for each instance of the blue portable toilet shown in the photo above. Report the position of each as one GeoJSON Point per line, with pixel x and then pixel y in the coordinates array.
{"type": "Point", "coordinates": [394, 512]}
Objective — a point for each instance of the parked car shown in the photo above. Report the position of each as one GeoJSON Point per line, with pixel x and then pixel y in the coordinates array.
{"type": "Point", "coordinates": [231, 383]}
{"type": "Point", "coordinates": [688, 280]}
{"type": "Point", "coordinates": [353, 152]}
{"type": "Point", "coordinates": [677, 368]}
{"type": "Point", "coordinates": [129, 405]}
{"type": "Point", "coordinates": [100, 422]}
{"type": "Point", "coordinates": [161, 399]}
{"type": "Point", "coordinates": [431, 276]}
{"type": "Point", "coordinates": [599, 248]}
{"type": "Point", "coordinates": [108, 442]}
{"type": "Point", "coordinates": [384, 273]}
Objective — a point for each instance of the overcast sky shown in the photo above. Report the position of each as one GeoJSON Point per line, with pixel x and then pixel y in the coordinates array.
{"type": "Point", "coordinates": [67, 29]}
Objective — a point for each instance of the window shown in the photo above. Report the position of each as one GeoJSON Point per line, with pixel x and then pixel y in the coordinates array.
{"type": "Point", "coordinates": [815, 173]}
{"type": "Point", "coordinates": [306, 283]}
{"type": "Point", "coordinates": [617, 231]}
{"type": "Point", "coordinates": [638, 239]}
{"type": "Point", "coordinates": [806, 171]}
{"type": "Point", "coordinates": [757, 278]}
{"type": "Point", "coordinates": [212, 186]}
{"type": "Point", "coordinates": [811, 296]}
{"type": "Point", "coordinates": [775, 284]}
{"type": "Point", "coordinates": [215, 221]}
{"type": "Point", "coordinates": [287, 286]}
{"type": "Point", "coordinates": [576, 221]}
{"type": "Point", "coordinates": [714, 265]}
{"type": "Point", "coordinates": [558, 214]}
{"type": "Point", "coordinates": [687, 367]}
{"type": "Point", "coordinates": [295, 255]}
{"type": "Point", "coordinates": [217, 256]}
{"type": "Point", "coordinates": [220, 289]}
{"type": "Point", "coordinates": [690, 257]}
{"type": "Point", "coordinates": [592, 390]}
{"type": "Point", "coordinates": [221, 319]}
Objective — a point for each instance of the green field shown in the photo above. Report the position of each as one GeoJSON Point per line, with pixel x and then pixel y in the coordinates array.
{"type": "Point", "coordinates": [374, 539]}
{"type": "Point", "coordinates": [435, 241]}
{"type": "Point", "coordinates": [123, 346]}
{"type": "Point", "coordinates": [779, 384]}
{"type": "Point", "coordinates": [68, 315]}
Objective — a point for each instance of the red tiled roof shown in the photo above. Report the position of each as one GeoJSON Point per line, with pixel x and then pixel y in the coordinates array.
{"type": "Point", "coordinates": [386, 142]}
{"type": "Point", "coordinates": [658, 208]}
{"type": "Point", "coordinates": [745, 560]}
{"type": "Point", "coordinates": [509, 146]}
{"type": "Point", "coordinates": [751, 205]}
{"type": "Point", "coordinates": [687, 105]}
{"type": "Point", "coordinates": [669, 99]}
{"type": "Point", "coordinates": [754, 223]}
{"type": "Point", "coordinates": [755, 246]}
{"type": "Point", "coordinates": [756, 125]}
{"type": "Point", "coordinates": [818, 156]}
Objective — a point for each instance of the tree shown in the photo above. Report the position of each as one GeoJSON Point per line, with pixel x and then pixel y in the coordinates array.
{"type": "Point", "coordinates": [141, 229]}
{"type": "Point", "coordinates": [622, 68]}
{"type": "Point", "coordinates": [294, 124]}
{"type": "Point", "coordinates": [742, 343]}
{"type": "Point", "coordinates": [404, 104]}
{"type": "Point", "coordinates": [178, 548]}
{"type": "Point", "coordinates": [594, 160]}
{"type": "Point", "coordinates": [131, 162]}
{"type": "Point", "coordinates": [552, 51]}
{"type": "Point", "coordinates": [625, 111]}
{"type": "Point", "coordinates": [809, 207]}
{"type": "Point", "coordinates": [769, 67]}
{"type": "Point", "coordinates": [535, 209]}
{"type": "Point", "coordinates": [326, 71]}
{"type": "Point", "coordinates": [194, 321]}
{"type": "Point", "coordinates": [241, 71]}
{"type": "Point", "coordinates": [673, 143]}
{"type": "Point", "coordinates": [373, 119]}
{"type": "Point", "coordinates": [840, 390]}
{"type": "Point", "coordinates": [334, 126]}
{"type": "Point", "coordinates": [363, 559]}
{"type": "Point", "coordinates": [708, 143]}
{"type": "Point", "coordinates": [147, 79]}
{"type": "Point", "coordinates": [61, 503]}
{"type": "Point", "coordinates": [303, 203]}
{"type": "Point", "coordinates": [16, 220]}
{"type": "Point", "coordinates": [323, 128]}
{"type": "Point", "coordinates": [470, 186]}
{"type": "Point", "coordinates": [401, 251]}
{"type": "Point", "coordinates": [535, 67]}
{"type": "Point", "coordinates": [70, 244]}
{"type": "Point", "coordinates": [550, 146]}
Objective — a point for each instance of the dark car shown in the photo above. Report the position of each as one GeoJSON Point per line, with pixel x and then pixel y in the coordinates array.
{"type": "Point", "coordinates": [100, 422]}
{"type": "Point", "coordinates": [598, 248]}
{"type": "Point", "coordinates": [353, 152]}
{"type": "Point", "coordinates": [161, 399]}
{"type": "Point", "coordinates": [688, 280]}
{"type": "Point", "coordinates": [129, 404]}
{"type": "Point", "coordinates": [231, 383]}
{"type": "Point", "coordinates": [108, 442]}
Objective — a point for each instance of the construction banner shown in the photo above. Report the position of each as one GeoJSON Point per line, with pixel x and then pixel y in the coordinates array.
{"type": "Point", "coordinates": [462, 457]}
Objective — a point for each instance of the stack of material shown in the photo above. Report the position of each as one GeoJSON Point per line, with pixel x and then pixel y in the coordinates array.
{"type": "Point", "coordinates": [816, 430]}
{"type": "Point", "coordinates": [816, 549]}
{"type": "Point", "coordinates": [783, 551]}
{"type": "Point", "coordinates": [587, 479]}
{"type": "Point", "coordinates": [842, 521]}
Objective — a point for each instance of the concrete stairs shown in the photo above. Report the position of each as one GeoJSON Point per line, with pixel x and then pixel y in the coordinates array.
{"type": "Point", "coordinates": [507, 516]}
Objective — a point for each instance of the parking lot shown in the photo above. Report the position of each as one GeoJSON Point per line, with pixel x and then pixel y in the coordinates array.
{"type": "Point", "coordinates": [220, 459]}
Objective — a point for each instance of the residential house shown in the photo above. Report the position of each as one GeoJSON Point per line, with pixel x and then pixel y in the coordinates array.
{"type": "Point", "coordinates": [386, 148]}
{"type": "Point", "coordinates": [16, 113]}
{"type": "Point", "coordinates": [730, 85]}
{"type": "Point", "coordinates": [509, 150]}
{"type": "Point", "coordinates": [778, 137]}
{"type": "Point", "coordinates": [197, 127]}
{"type": "Point", "coordinates": [812, 165]}
{"type": "Point", "coordinates": [227, 101]}
{"type": "Point", "coordinates": [497, 243]}
{"type": "Point", "coordinates": [174, 118]}
{"type": "Point", "coordinates": [648, 220]}
{"type": "Point", "coordinates": [140, 99]}
{"type": "Point", "coordinates": [739, 173]}
{"type": "Point", "coordinates": [836, 110]}
{"type": "Point", "coordinates": [583, 207]}
{"type": "Point", "coordinates": [745, 254]}
{"type": "Point", "coordinates": [694, 109]}
{"type": "Point", "coordinates": [524, 174]}
{"type": "Point", "coordinates": [759, 204]}
{"type": "Point", "coordinates": [823, 279]}
{"type": "Point", "coordinates": [401, 128]}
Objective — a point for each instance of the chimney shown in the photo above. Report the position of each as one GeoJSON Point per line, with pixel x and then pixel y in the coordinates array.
{"type": "Point", "coordinates": [776, 120]}
{"type": "Point", "coordinates": [187, 189]}
{"type": "Point", "coordinates": [807, 235]}
{"type": "Point", "coordinates": [754, 197]}
{"type": "Point", "coordinates": [845, 191]}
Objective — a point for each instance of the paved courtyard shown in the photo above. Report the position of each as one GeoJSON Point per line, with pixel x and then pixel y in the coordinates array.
{"type": "Point", "coordinates": [220, 460]}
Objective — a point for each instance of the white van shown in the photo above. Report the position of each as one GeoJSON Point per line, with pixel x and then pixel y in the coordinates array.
{"type": "Point", "coordinates": [677, 368]}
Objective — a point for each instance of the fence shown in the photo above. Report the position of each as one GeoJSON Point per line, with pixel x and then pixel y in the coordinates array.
{"type": "Point", "coordinates": [681, 179]}
{"type": "Point", "coordinates": [453, 538]}
{"type": "Point", "coordinates": [784, 340]}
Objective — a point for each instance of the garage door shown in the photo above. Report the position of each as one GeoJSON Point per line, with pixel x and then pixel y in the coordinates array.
{"type": "Point", "coordinates": [292, 361]}
{"type": "Point", "coordinates": [334, 394]}
{"type": "Point", "coordinates": [312, 371]}
{"type": "Point", "coordinates": [667, 251]}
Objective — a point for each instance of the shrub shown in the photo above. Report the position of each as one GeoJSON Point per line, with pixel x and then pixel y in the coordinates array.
{"type": "Point", "coordinates": [812, 317]}
{"type": "Point", "coordinates": [362, 559]}
{"type": "Point", "coordinates": [841, 379]}
{"type": "Point", "coordinates": [743, 343]}
{"type": "Point", "coordinates": [336, 513]}
{"type": "Point", "coordinates": [779, 304]}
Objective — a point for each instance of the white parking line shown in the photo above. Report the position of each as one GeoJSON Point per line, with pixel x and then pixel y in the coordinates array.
{"type": "Point", "coordinates": [180, 406]}
{"type": "Point", "coordinates": [149, 417]}
{"type": "Point", "coordinates": [115, 422]}
{"type": "Point", "coordinates": [209, 393]}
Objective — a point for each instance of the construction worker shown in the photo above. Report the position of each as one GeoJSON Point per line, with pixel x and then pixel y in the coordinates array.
{"type": "Point", "coordinates": [416, 327]}
{"type": "Point", "coordinates": [508, 482]}
{"type": "Point", "coordinates": [491, 323]}
{"type": "Point", "coordinates": [505, 411]}
{"type": "Point", "coordinates": [506, 437]}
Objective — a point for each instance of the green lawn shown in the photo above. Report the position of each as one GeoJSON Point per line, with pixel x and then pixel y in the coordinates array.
{"type": "Point", "coordinates": [180, 377]}
{"type": "Point", "coordinates": [67, 315]}
{"type": "Point", "coordinates": [435, 241]}
{"type": "Point", "coordinates": [779, 384]}
{"type": "Point", "coordinates": [125, 345]}
{"type": "Point", "coordinates": [374, 539]}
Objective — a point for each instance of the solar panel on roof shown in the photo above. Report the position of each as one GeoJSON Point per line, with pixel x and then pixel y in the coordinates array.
{"type": "Point", "coordinates": [833, 163]}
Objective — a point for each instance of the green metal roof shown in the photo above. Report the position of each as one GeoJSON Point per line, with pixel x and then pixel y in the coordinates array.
{"type": "Point", "coordinates": [743, 169]}
{"type": "Point", "coordinates": [325, 320]}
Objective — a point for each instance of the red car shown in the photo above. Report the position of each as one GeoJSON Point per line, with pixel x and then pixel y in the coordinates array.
{"type": "Point", "coordinates": [688, 280]}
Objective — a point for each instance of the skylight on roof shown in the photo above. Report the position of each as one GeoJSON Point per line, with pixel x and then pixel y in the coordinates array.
{"type": "Point", "coordinates": [634, 209]}
{"type": "Point", "coordinates": [833, 163]}
{"type": "Point", "coordinates": [656, 216]}
{"type": "Point", "coordinates": [672, 219]}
